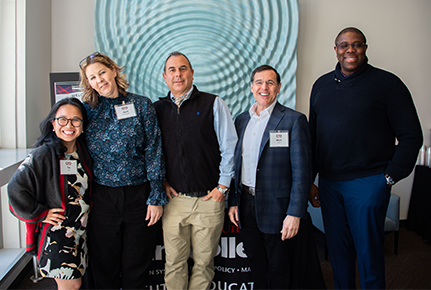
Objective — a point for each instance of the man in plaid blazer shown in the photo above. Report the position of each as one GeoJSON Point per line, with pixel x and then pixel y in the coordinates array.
{"type": "Point", "coordinates": [272, 183]}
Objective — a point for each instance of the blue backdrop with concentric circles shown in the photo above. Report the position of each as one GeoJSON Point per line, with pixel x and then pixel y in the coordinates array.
{"type": "Point", "coordinates": [224, 40]}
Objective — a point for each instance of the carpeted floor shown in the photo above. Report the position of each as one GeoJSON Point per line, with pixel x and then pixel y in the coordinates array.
{"type": "Point", "coordinates": [410, 269]}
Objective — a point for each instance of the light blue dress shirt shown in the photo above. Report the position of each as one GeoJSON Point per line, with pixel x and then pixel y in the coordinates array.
{"type": "Point", "coordinates": [251, 143]}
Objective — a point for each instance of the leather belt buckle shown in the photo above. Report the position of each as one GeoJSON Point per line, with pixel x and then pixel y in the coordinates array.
{"type": "Point", "coordinates": [250, 190]}
{"type": "Point", "coordinates": [194, 194]}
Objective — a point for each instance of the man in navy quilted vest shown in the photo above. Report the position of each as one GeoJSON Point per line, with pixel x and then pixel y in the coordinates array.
{"type": "Point", "coordinates": [198, 138]}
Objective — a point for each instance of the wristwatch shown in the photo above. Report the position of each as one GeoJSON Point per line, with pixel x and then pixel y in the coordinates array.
{"type": "Point", "coordinates": [389, 180]}
{"type": "Point", "coordinates": [224, 191]}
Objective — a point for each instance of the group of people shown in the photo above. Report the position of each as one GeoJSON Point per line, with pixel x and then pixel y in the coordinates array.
{"type": "Point", "coordinates": [113, 173]}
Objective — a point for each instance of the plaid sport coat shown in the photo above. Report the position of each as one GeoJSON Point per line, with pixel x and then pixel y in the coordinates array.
{"type": "Point", "coordinates": [284, 175]}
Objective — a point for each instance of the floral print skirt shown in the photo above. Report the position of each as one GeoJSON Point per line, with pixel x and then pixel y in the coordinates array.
{"type": "Point", "coordinates": [65, 254]}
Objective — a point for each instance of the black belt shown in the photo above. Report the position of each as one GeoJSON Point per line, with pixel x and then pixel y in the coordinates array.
{"type": "Point", "coordinates": [195, 193]}
{"type": "Point", "coordinates": [250, 190]}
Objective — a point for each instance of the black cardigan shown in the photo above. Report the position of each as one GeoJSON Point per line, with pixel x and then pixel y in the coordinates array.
{"type": "Point", "coordinates": [37, 186]}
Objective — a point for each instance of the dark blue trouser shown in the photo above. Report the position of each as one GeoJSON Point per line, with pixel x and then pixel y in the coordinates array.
{"type": "Point", "coordinates": [277, 264]}
{"type": "Point", "coordinates": [354, 214]}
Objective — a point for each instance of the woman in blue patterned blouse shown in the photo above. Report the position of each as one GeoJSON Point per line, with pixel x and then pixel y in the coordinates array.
{"type": "Point", "coordinates": [124, 140]}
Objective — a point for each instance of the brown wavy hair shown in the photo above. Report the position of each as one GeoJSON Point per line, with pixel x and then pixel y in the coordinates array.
{"type": "Point", "coordinates": [90, 96]}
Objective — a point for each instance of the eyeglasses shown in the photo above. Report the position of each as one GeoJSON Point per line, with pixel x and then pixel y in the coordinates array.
{"type": "Point", "coordinates": [62, 121]}
{"type": "Point", "coordinates": [93, 55]}
{"type": "Point", "coordinates": [354, 45]}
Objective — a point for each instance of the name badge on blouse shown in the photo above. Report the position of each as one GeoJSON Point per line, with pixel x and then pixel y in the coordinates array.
{"type": "Point", "coordinates": [279, 138]}
{"type": "Point", "coordinates": [68, 167]}
{"type": "Point", "coordinates": [125, 111]}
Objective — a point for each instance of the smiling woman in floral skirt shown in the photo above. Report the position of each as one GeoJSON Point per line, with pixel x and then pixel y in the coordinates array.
{"type": "Point", "coordinates": [50, 192]}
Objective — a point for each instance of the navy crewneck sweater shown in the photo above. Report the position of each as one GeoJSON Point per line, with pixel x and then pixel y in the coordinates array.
{"type": "Point", "coordinates": [355, 122]}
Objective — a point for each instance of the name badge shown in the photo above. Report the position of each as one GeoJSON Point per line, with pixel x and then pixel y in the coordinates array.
{"type": "Point", "coordinates": [125, 111]}
{"type": "Point", "coordinates": [68, 167]}
{"type": "Point", "coordinates": [279, 138]}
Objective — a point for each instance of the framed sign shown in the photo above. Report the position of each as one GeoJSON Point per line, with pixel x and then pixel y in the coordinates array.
{"type": "Point", "coordinates": [64, 85]}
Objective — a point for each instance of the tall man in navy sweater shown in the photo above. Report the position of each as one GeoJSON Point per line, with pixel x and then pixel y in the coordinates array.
{"type": "Point", "coordinates": [357, 112]}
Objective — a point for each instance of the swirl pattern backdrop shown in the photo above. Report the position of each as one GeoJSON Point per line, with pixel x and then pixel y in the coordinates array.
{"type": "Point", "coordinates": [224, 40]}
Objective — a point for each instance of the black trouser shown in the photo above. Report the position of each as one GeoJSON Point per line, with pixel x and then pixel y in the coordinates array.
{"type": "Point", "coordinates": [277, 264]}
{"type": "Point", "coordinates": [121, 245]}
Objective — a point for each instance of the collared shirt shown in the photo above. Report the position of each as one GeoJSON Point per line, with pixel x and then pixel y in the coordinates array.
{"type": "Point", "coordinates": [251, 143]}
{"type": "Point", "coordinates": [187, 95]}
{"type": "Point", "coordinates": [226, 136]}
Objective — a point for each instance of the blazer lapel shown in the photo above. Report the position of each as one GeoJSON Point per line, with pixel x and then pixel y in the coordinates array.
{"type": "Point", "coordinates": [241, 129]}
{"type": "Point", "coordinates": [274, 120]}
{"type": "Point", "coordinates": [242, 125]}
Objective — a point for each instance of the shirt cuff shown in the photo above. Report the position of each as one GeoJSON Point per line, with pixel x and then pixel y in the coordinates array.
{"type": "Point", "coordinates": [157, 194]}
{"type": "Point", "coordinates": [225, 180]}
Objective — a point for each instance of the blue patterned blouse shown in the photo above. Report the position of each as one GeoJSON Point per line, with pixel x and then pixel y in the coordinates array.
{"type": "Point", "coordinates": [127, 152]}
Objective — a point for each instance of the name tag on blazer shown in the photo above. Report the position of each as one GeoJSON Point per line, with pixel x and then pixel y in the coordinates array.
{"type": "Point", "coordinates": [279, 138]}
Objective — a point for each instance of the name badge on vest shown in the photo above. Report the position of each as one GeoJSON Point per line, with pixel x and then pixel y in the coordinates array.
{"type": "Point", "coordinates": [279, 138]}
{"type": "Point", "coordinates": [125, 111]}
{"type": "Point", "coordinates": [68, 167]}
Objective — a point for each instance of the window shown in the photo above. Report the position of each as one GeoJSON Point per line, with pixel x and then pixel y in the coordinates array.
{"type": "Point", "coordinates": [12, 77]}
{"type": "Point", "coordinates": [12, 127]}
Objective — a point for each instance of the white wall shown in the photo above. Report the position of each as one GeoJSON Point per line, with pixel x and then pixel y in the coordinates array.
{"type": "Point", "coordinates": [72, 33]}
{"type": "Point", "coordinates": [397, 32]}
{"type": "Point", "coordinates": [37, 65]}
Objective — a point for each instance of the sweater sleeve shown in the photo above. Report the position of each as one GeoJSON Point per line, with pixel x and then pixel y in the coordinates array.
{"type": "Point", "coordinates": [22, 192]}
{"type": "Point", "coordinates": [405, 123]}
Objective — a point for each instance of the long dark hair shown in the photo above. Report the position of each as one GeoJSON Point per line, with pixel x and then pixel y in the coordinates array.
{"type": "Point", "coordinates": [49, 137]}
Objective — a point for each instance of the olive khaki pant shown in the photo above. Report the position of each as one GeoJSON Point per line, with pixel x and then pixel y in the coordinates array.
{"type": "Point", "coordinates": [189, 223]}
